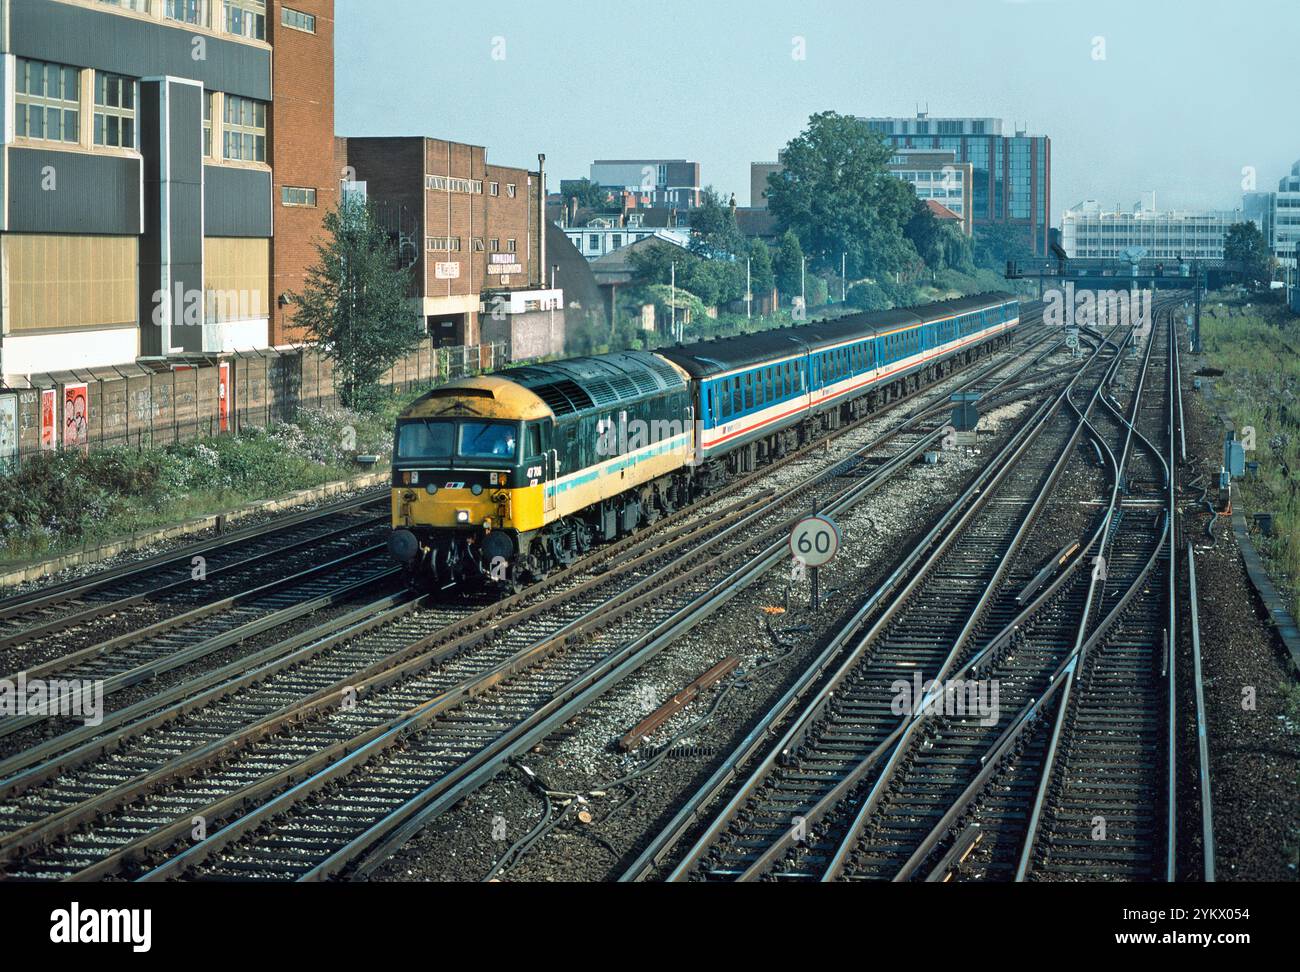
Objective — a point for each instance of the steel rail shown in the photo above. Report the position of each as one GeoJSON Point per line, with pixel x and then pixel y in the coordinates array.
{"type": "Point", "coordinates": [1079, 653]}
{"type": "Point", "coordinates": [52, 594]}
{"type": "Point", "coordinates": [943, 533]}
{"type": "Point", "coordinates": [1202, 723]}
{"type": "Point", "coordinates": [836, 866]}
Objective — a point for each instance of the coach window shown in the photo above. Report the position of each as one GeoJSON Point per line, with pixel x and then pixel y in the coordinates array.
{"type": "Point", "coordinates": [749, 391]}
{"type": "Point", "coordinates": [737, 396]}
{"type": "Point", "coordinates": [712, 412]}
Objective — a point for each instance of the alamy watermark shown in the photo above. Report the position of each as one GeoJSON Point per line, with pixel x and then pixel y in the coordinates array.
{"type": "Point", "coordinates": [953, 697]}
{"type": "Point", "coordinates": [1069, 307]}
{"type": "Point", "coordinates": [626, 435]}
{"type": "Point", "coordinates": [72, 697]}
{"type": "Point", "coordinates": [193, 308]}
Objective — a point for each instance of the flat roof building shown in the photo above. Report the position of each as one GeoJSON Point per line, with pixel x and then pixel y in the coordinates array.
{"type": "Point", "coordinates": [659, 183]}
{"type": "Point", "coordinates": [147, 188]}
{"type": "Point", "coordinates": [1089, 232]}
{"type": "Point", "coordinates": [470, 230]}
{"type": "Point", "coordinates": [1277, 214]}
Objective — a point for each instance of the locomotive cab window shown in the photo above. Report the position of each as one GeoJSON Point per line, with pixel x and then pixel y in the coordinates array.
{"type": "Point", "coordinates": [533, 440]}
{"type": "Point", "coordinates": [488, 440]}
{"type": "Point", "coordinates": [423, 440]}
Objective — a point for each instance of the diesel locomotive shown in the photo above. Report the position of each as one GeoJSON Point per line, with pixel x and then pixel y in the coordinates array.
{"type": "Point", "coordinates": [500, 479]}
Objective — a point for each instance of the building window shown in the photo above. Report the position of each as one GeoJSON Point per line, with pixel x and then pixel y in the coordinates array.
{"type": "Point", "coordinates": [511, 247]}
{"type": "Point", "coordinates": [496, 188]}
{"type": "Point", "coordinates": [244, 132]}
{"type": "Point", "coordinates": [208, 98]}
{"type": "Point", "coordinates": [139, 6]}
{"type": "Point", "coordinates": [450, 244]}
{"type": "Point", "coordinates": [298, 20]}
{"type": "Point", "coordinates": [114, 110]}
{"type": "Point", "coordinates": [593, 242]}
{"type": "Point", "coordinates": [496, 246]}
{"type": "Point", "coordinates": [510, 190]}
{"type": "Point", "coordinates": [47, 101]}
{"type": "Point", "coordinates": [616, 241]}
{"type": "Point", "coordinates": [446, 184]}
{"type": "Point", "coordinates": [478, 244]}
{"type": "Point", "coordinates": [188, 12]}
{"type": "Point", "coordinates": [297, 196]}
{"type": "Point", "coordinates": [246, 18]}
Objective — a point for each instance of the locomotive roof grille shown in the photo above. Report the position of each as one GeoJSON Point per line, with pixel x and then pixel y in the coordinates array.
{"type": "Point", "coordinates": [564, 397]}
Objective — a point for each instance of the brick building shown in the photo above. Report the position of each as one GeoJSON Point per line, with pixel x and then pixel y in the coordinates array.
{"type": "Point", "coordinates": [470, 230]}
{"type": "Point", "coordinates": [306, 181]}
{"type": "Point", "coordinates": [164, 168]}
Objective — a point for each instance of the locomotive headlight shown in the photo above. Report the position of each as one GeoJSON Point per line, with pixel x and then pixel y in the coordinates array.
{"type": "Point", "coordinates": [462, 516]}
{"type": "Point", "coordinates": [431, 489]}
{"type": "Point", "coordinates": [476, 489]}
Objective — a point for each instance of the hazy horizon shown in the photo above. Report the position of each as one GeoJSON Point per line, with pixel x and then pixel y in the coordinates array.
{"type": "Point", "coordinates": [719, 84]}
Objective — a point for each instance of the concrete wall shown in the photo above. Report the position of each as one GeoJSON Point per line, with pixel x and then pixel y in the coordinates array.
{"type": "Point", "coordinates": [139, 409]}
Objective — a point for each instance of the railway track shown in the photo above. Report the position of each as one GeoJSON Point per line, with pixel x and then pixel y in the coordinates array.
{"type": "Point", "coordinates": [52, 609]}
{"type": "Point", "coordinates": [791, 814]}
{"type": "Point", "coordinates": [1090, 753]}
{"type": "Point", "coordinates": [143, 655]}
{"type": "Point", "coordinates": [54, 819]}
{"type": "Point", "coordinates": [1027, 659]}
{"type": "Point", "coordinates": [765, 844]}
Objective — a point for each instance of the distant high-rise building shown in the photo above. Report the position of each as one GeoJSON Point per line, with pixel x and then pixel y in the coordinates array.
{"type": "Point", "coordinates": [1089, 232]}
{"type": "Point", "coordinates": [1277, 214]}
{"type": "Point", "coordinates": [658, 183]}
{"type": "Point", "coordinates": [1012, 173]}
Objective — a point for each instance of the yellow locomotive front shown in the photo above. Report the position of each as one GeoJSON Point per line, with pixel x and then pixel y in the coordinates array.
{"type": "Point", "coordinates": [472, 474]}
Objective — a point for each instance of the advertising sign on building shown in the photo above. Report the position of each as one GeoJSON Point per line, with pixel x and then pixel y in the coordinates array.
{"type": "Point", "coordinates": [447, 271]}
{"type": "Point", "coordinates": [76, 416]}
{"type": "Point", "coordinates": [49, 413]}
{"type": "Point", "coordinates": [8, 432]}
{"type": "Point", "coordinates": [505, 268]}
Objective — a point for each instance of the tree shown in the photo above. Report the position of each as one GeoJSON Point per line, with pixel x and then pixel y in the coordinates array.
{"type": "Point", "coordinates": [837, 194]}
{"type": "Point", "coordinates": [788, 264]}
{"type": "Point", "coordinates": [714, 234]}
{"type": "Point", "coordinates": [997, 244]}
{"type": "Point", "coordinates": [714, 282]}
{"type": "Point", "coordinates": [760, 268]}
{"type": "Point", "coordinates": [1245, 245]}
{"type": "Point", "coordinates": [589, 194]}
{"type": "Point", "coordinates": [355, 304]}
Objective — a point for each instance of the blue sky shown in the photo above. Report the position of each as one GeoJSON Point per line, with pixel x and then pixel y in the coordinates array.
{"type": "Point", "coordinates": [1189, 93]}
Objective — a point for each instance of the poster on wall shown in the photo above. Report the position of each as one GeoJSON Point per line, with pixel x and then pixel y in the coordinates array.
{"type": "Point", "coordinates": [49, 408]}
{"type": "Point", "coordinates": [224, 396]}
{"type": "Point", "coordinates": [8, 432]}
{"type": "Point", "coordinates": [76, 416]}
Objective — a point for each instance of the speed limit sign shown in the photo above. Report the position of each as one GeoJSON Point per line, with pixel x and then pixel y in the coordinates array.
{"type": "Point", "coordinates": [815, 541]}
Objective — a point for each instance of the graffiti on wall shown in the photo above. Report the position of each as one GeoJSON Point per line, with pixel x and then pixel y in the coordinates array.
{"type": "Point", "coordinates": [8, 432]}
{"type": "Point", "coordinates": [76, 416]}
{"type": "Point", "coordinates": [49, 409]}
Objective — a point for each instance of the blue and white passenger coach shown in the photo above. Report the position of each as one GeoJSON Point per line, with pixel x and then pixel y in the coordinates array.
{"type": "Point", "coordinates": [757, 390]}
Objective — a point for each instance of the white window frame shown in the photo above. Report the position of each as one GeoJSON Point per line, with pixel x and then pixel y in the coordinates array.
{"type": "Point", "coordinates": [126, 87]}
{"type": "Point", "coordinates": [26, 104]}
